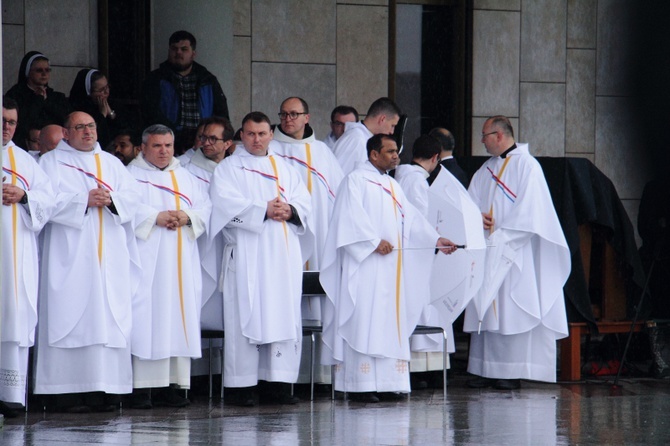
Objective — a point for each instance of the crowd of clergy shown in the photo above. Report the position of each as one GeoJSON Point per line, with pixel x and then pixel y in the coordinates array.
{"type": "Point", "coordinates": [113, 263]}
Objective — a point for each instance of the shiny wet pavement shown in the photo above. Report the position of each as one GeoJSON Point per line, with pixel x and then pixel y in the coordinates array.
{"type": "Point", "coordinates": [587, 413]}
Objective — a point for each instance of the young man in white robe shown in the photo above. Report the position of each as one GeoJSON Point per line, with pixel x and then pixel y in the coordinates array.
{"type": "Point", "coordinates": [376, 286]}
{"type": "Point", "coordinates": [216, 140]}
{"type": "Point", "coordinates": [28, 201]}
{"type": "Point", "coordinates": [350, 150]}
{"type": "Point", "coordinates": [263, 207]}
{"type": "Point", "coordinates": [527, 264]}
{"type": "Point", "coordinates": [338, 119]}
{"type": "Point", "coordinates": [173, 212]}
{"type": "Point", "coordinates": [322, 175]}
{"type": "Point", "coordinates": [90, 269]}
{"type": "Point", "coordinates": [413, 178]}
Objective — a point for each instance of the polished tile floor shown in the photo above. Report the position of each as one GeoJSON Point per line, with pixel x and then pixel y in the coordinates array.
{"type": "Point", "coordinates": [586, 413]}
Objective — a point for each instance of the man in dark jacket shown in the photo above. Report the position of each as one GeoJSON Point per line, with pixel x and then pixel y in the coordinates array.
{"type": "Point", "coordinates": [181, 92]}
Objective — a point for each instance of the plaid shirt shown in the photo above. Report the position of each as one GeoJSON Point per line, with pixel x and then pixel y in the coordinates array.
{"type": "Point", "coordinates": [189, 116]}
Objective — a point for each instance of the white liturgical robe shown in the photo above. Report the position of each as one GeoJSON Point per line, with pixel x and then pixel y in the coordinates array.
{"type": "Point", "coordinates": [166, 307]}
{"type": "Point", "coordinates": [21, 224]}
{"type": "Point", "coordinates": [90, 269]}
{"type": "Point", "coordinates": [520, 328]}
{"type": "Point", "coordinates": [264, 266]}
{"type": "Point", "coordinates": [350, 149]}
{"type": "Point", "coordinates": [374, 301]}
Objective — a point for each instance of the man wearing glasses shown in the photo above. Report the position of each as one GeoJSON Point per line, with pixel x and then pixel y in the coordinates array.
{"type": "Point", "coordinates": [38, 103]}
{"type": "Point", "coordinates": [527, 264]}
{"type": "Point", "coordinates": [91, 271]}
{"type": "Point", "coordinates": [338, 119]}
{"type": "Point", "coordinates": [322, 175]}
{"type": "Point", "coordinates": [350, 150]}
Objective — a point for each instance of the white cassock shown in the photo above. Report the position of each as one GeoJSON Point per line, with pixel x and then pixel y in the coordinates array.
{"type": "Point", "coordinates": [322, 175]}
{"type": "Point", "coordinates": [211, 255]}
{"type": "Point", "coordinates": [519, 330]}
{"type": "Point", "coordinates": [166, 307]}
{"type": "Point", "coordinates": [21, 224]}
{"type": "Point", "coordinates": [374, 301]}
{"type": "Point", "coordinates": [351, 148]}
{"type": "Point", "coordinates": [263, 272]}
{"type": "Point", "coordinates": [426, 350]}
{"type": "Point", "coordinates": [90, 269]}
{"type": "Point", "coordinates": [330, 141]}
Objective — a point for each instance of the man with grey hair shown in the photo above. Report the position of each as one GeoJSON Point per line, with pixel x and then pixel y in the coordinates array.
{"type": "Point", "coordinates": [174, 211]}
{"type": "Point", "coordinates": [527, 264]}
{"type": "Point", "coordinates": [90, 269]}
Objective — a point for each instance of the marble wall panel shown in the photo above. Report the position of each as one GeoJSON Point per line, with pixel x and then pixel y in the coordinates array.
{"type": "Point", "coordinates": [620, 154]}
{"type": "Point", "coordinates": [362, 55]}
{"type": "Point", "coordinates": [12, 12]}
{"type": "Point", "coordinates": [499, 5]}
{"type": "Point", "coordinates": [297, 31]}
{"type": "Point", "coordinates": [271, 83]}
{"type": "Point", "coordinates": [542, 120]}
{"type": "Point", "coordinates": [45, 24]}
{"type": "Point", "coordinates": [495, 77]}
{"type": "Point", "coordinates": [242, 17]}
{"type": "Point", "coordinates": [614, 55]}
{"type": "Point", "coordinates": [12, 53]}
{"type": "Point", "coordinates": [240, 104]}
{"type": "Point", "coordinates": [580, 101]}
{"type": "Point", "coordinates": [582, 15]}
{"type": "Point", "coordinates": [364, 2]}
{"type": "Point", "coordinates": [478, 148]}
{"type": "Point", "coordinates": [543, 29]}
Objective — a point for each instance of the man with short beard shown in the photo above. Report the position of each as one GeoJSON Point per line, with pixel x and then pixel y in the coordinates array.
{"type": "Point", "coordinates": [181, 92]}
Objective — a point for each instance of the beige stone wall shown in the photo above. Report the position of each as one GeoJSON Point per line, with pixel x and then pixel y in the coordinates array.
{"type": "Point", "coordinates": [328, 52]}
{"type": "Point", "coordinates": [557, 68]}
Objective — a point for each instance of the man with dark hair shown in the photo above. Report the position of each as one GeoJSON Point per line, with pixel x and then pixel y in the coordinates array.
{"type": "Point", "coordinates": [181, 92]}
{"type": "Point", "coordinates": [447, 160]}
{"type": "Point", "coordinates": [126, 145]}
{"type": "Point", "coordinates": [412, 177]}
{"type": "Point", "coordinates": [382, 117]}
{"type": "Point", "coordinates": [527, 264]}
{"type": "Point", "coordinates": [28, 201]}
{"type": "Point", "coordinates": [91, 268]}
{"type": "Point", "coordinates": [338, 120]}
{"type": "Point", "coordinates": [38, 103]}
{"type": "Point", "coordinates": [173, 212]}
{"type": "Point", "coordinates": [375, 278]}
{"type": "Point", "coordinates": [263, 208]}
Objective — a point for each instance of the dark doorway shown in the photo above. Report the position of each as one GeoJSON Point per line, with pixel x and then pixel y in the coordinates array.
{"type": "Point", "coordinates": [431, 77]}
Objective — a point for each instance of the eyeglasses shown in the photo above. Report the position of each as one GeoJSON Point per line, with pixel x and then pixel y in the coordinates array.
{"type": "Point", "coordinates": [41, 70]}
{"type": "Point", "coordinates": [484, 135]}
{"type": "Point", "coordinates": [80, 127]}
{"type": "Point", "coordinates": [292, 115]}
{"type": "Point", "coordinates": [10, 123]}
{"type": "Point", "coordinates": [209, 139]}
{"type": "Point", "coordinates": [104, 89]}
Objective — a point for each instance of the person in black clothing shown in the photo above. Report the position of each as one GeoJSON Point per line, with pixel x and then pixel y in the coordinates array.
{"type": "Point", "coordinates": [448, 143]}
{"type": "Point", "coordinates": [181, 92]}
{"type": "Point", "coordinates": [90, 94]}
{"type": "Point", "coordinates": [38, 103]}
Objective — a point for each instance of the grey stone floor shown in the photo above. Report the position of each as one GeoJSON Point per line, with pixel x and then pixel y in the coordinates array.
{"type": "Point", "coordinates": [586, 413]}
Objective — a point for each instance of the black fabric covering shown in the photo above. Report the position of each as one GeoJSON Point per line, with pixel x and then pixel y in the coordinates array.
{"type": "Point", "coordinates": [583, 194]}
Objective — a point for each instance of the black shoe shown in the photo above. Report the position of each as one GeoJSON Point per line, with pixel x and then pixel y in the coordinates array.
{"type": "Point", "coordinates": [480, 382]}
{"type": "Point", "coordinates": [276, 393]}
{"type": "Point", "coordinates": [243, 397]}
{"type": "Point", "coordinates": [391, 396]}
{"type": "Point", "coordinates": [363, 397]}
{"type": "Point", "coordinates": [104, 408]}
{"type": "Point", "coordinates": [508, 384]}
{"type": "Point", "coordinates": [168, 397]}
{"type": "Point", "coordinates": [79, 408]}
{"type": "Point", "coordinates": [140, 399]}
{"type": "Point", "coordinates": [8, 411]}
